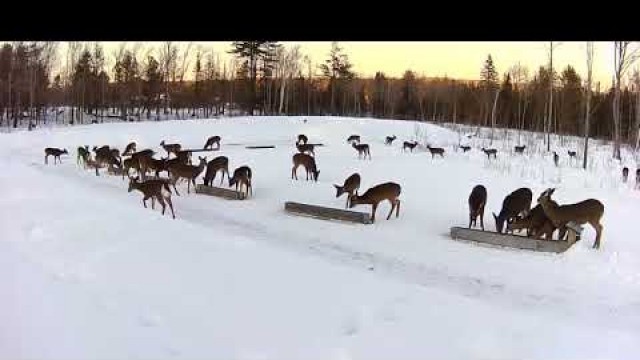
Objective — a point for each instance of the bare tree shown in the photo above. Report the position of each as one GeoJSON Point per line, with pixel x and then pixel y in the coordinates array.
{"type": "Point", "coordinates": [550, 107]}
{"type": "Point", "coordinates": [623, 59]}
{"type": "Point", "coordinates": [587, 112]}
{"type": "Point", "coordinates": [636, 81]}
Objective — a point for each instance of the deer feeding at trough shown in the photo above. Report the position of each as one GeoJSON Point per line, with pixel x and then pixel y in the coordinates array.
{"type": "Point", "coordinates": [513, 205]}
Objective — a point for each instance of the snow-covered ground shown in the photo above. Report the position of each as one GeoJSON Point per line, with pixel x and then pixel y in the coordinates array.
{"type": "Point", "coordinates": [87, 273]}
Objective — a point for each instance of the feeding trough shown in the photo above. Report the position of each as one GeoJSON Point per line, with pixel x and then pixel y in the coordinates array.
{"type": "Point", "coordinates": [219, 192]}
{"type": "Point", "coordinates": [518, 241]}
{"type": "Point", "coordinates": [326, 213]}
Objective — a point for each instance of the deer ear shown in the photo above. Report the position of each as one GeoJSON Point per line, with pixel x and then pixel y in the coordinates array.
{"type": "Point", "coordinates": [495, 216]}
{"type": "Point", "coordinates": [551, 191]}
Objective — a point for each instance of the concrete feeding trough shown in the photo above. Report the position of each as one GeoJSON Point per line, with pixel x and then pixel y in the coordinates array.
{"type": "Point", "coordinates": [326, 213]}
{"type": "Point", "coordinates": [518, 241]}
{"type": "Point", "coordinates": [219, 192]}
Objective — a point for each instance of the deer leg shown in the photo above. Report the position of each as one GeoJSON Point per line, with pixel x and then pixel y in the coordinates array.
{"type": "Point", "coordinates": [293, 173]}
{"type": "Point", "coordinates": [482, 217]}
{"type": "Point", "coordinates": [168, 199]}
{"type": "Point", "coordinates": [471, 219]}
{"type": "Point", "coordinates": [174, 187]}
{"type": "Point", "coordinates": [161, 201]}
{"type": "Point", "coordinates": [346, 206]}
{"type": "Point", "coordinates": [144, 201]}
{"type": "Point", "coordinates": [598, 228]}
{"type": "Point", "coordinates": [397, 208]}
{"type": "Point", "coordinates": [153, 202]}
{"type": "Point", "coordinates": [374, 207]}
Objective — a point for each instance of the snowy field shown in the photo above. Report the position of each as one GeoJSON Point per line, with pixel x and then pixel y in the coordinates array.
{"type": "Point", "coordinates": [87, 273]}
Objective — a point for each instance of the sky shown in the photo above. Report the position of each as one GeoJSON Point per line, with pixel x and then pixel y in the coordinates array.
{"type": "Point", "coordinates": [461, 60]}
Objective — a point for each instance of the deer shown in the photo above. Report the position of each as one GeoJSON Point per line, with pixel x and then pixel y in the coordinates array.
{"type": "Point", "coordinates": [436, 151]}
{"type": "Point", "coordinates": [477, 201]}
{"type": "Point", "coordinates": [309, 164]}
{"type": "Point", "coordinates": [212, 140]}
{"type": "Point", "coordinates": [353, 138]}
{"type": "Point", "coordinates": [556, 158]}
{"type": "Point", "coordinates": [170, 148]}
{"type": "Point", "coordinates": [350, 187]}
{"type": "Point", "coordinates": [302, 139]}
{"type": "Point", "coordinates": [587, 211]}
{"type": "Point", "coordinates": [465, 148]}
{"type": "Point", "coordinates": [409, 145]}
{"type": "Point", "coordinates": [184, 156]}
{"type": "Point", "coordinates": [389, 140]}
{"type": "Point", "coordinates": [188, 172]}
{"type": "Point", "coordinates": [363, 150]}
{"type": "Point", "coordinates": [572, 154]}
{"type": "Point", "coordinates": [137, 156]}
{"type": "Point", "coordinates": [625, 174]}
{"type": "Point", "coordinates": [242, 176]}
{"type": "Point", "coordinates": [156, 190]}
{"type": "Point", "coordinates": [128, 164]}
{"type": "Point", "coordinates": [129, 149]}
{"type": "Point", "coordinates": [55, 152]}
{"type": "Point", "coordinates": [302, 148]}
{"type": "Point", "coordinates": [83, 155]}
{"type": "Point", "coordinates": [387, 191]}
{"type": "Point", "coordinates": [519, 149]}
{"type": "Point", "coordinates": [107, 159]}
{"type": "Point", "coordinates": [220, 163]}
{"type": "Point", "coordinates": [537, 225]}
{"type": "Point", "coordinates": [151, 164]}
{"type": "Point", "coordinates": [490, 152]}
{"type": "Point", "coordinates": [513, 204]}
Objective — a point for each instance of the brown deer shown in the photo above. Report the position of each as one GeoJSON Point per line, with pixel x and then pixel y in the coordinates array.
{"type": "Point", "coordinates": [212, 140]}
{"type": "Point", "coordinates": [170, 148]}
{"type": "Point", "coordinates": [465, 148]}
{"type": "Point", "coordinates": [587, 211]}
{"type": "Point", "coordinates": [302, 139]}
{"type": "Point", "coordinates": [520, 149]}
{"type": "Point", "coordinates": [436, 151]}
{"type": "Point", "coordinates": [389, 140]}
{"type": "Point", "coordinates": [572, 154]}
{"type": "Point", "coordinates": [353, 138]}
{"type": "Point", "coordinates": [512, 205]}
{"type": "Point", "coordinates": [242, 176]}
{"type": "Point", "coordinates": [556, 158]}
{"type": "Point", "coordinates": [490, 152]}
{"type": "Point", "coordinates": [154, 165]}
{"type": "Point", "coordinates": [537, 225]}
{"type": "Point", "coordinates": [83, 155]}
{"type": "Point", "coordinates": [188, 172]}
{"type": "Point", "coordinates": [350, 187]}
{"type": "Point", "coordinates": [128, 164]}
{"type": "Point", "coordinates": [184, 156]}
{"type": "Point", "coordinates": [409, 145]}
{"type": "Point", "coordinates": [220, 163]}
{"type": "Point", "coordinates": [387, 191]}
{"type": "Point", "coordinates": [477, 201]}
{"type": "Point", "coordinates": [55, 152]}
{"type": "Point", "coordinates": [625, 174]}
{"type": "Point", "coordinates": [309, 164]}
{"type": "Point", "coordinates": [129, 149]}
{"type": "Point", "coordinates": [156, 190]}
{"type": "Point", "coordinates": [363, 150]}
{"type": "Point", "coordinates": [302, 148]}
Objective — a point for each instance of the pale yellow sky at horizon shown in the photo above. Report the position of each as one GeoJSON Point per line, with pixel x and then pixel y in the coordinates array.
{"type": "Point", "coordinates": [461, 60]}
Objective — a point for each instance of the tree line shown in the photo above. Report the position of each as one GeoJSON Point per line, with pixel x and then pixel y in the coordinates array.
{"type": "Point", "coordinates": [267, 78]}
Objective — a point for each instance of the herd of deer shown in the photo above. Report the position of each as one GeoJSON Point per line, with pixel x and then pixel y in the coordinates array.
{"type": "Point", "coordinates": [178, 168]}
{"type": "Point", "coordinates": [543, 219]}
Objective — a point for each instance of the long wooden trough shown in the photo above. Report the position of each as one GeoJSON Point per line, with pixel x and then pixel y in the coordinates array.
{"type": "Point", "coordinates": [219, 192]}
{"type": "Point", "coordinates": [325, 213]}
{"type": "Point", "coordinates": [511, 241]}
